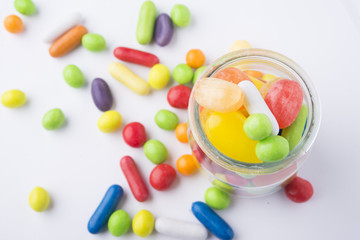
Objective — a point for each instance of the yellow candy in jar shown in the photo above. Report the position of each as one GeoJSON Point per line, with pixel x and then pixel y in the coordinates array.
{"type": "Point", "coordinates": [258, 83]}
{"type": "Point", "coordinates": [268, 77]}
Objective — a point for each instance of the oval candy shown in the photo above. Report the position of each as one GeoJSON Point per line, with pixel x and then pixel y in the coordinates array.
{"type": "Point", "coordinates": [73, 76]}
{"type": "Point", "coordinates": [93, 42]}
{"type": "Point", "coordinates": [164, 30]}
{"type": "Point", "coordinates": [101, 94]}
{"type": "Point", "coordinates": [143, 223]}
{"type": "Point", "coordinates": [119, 223]}
{"type": "Point", "coordinates": [178, 96]}
{"type": "Point", "coordinates": [162, 177]}
{"type": "Point", "coordinates": [13, 98]}
{"type": "Point", "coordinates": [39, 199]}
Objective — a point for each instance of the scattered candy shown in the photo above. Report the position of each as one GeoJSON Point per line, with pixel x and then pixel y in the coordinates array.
{"type": "Point", "coordinates": [134, 134]}
{"type": "Point", "coordinates": [53, 119]}
{"type": "Point", "coordinates": [178, 96]}
{"type": "Point", "coordinates": [299, 190]}
{"type": "Point", "coordinates": [164, 30]}
{"type": "Point", "coordinates": [110, 121]}
{"type": "Point", "coordinates": [231, 74]}
{"type": "Point", "coordinates": [166, 120]}
{"type": "Point", "coordinates": [294, 132]}
{"type": "Point", "coordinates": [25, 7]}
{"type": "Point", "coordinates": [93, 42]}
{"type": "Point", "coordinates": [258, 126]}
{"type": "Point", "coordinates": [73, 76]}
{"type": "Point", "coordinates": [13, 98]}
{"type": "Point", "coordinates": [181, 132]}
{"type": "Point", "coordinates": [39, 199]}
{"type": "Point", "coordinates": [180, 15]}
{"type": "Point", "coordinates": [136, 56]}
{"type": "Point", "coordinates": [162, 176]}
{"type": "Point", "coordinates": [197, 73]}
{"type": "Point", "coordinates": [13, 24]}
{"type": "Point", "coordinates": [240, 44]}
{"type": "Point", "coordinates": [268, 77]}
{"type": "Point", "coordinates": [186, 164]}
{"type": "Point", "coordinates": [143, 223]}
{"type": "Point", "coordinates": [155, 151]}
{"type": "Point", "coordinates": [272, 149]}
{"type": "Point", "coordinates": [159, 76]}
{"type": "Point", "coordinates": [119, 223]}
{"type": "Point", "coordinates": [101, 94]}
{"type": "Point", "coordinates": [195, 58]}
{"type": "Point", "coordinates": [182, 73]}
{"type": "Point", "coordinates": [146, 23]}
{"type": "Point", "coordinates": [216, 198]}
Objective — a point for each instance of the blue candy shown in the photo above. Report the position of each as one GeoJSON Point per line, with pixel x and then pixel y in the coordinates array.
{"type": "Point", "coordinates": [213, 222]}
{"type": "Point", "coordinates": [107, 206]}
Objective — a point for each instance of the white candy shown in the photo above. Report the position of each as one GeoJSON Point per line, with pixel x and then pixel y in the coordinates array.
{"type": "Point", "coordinates": [254, 103]}
{"type": "Point", "coordinates": [62, 27]}
{"type": "Point", "coordinates": [180, 229]}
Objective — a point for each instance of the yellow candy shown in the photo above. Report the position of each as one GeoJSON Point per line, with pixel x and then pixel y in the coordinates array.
{"type": "Point", "coordinates": [225, 131]}
{"type": "Point", "coordinates": [159, 76]}
{"type": "Point", "coordinates": [268, 77]}
{"type": "Point", "coordinates": [258, 83]}
{"type": "Point", "coordinates": [39, 199]}
{"type": "Point", "coordinates": [13, 98]}
{"type": "Point", "coordinates": [240, 44]}
{"type": "Point", "coordinates": [110, 121]}
{"type": "Point", "coordinates": [143, 223]}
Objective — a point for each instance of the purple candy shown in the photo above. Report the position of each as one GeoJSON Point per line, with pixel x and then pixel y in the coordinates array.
{"type": "Point", "coordinates": [101, 94]}
{"type": "Point", "coordinates": [164, 29]}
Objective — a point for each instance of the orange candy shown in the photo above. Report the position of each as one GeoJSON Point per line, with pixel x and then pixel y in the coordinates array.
{"type": "Point", "coordinates": [13, 24]}
{"type": "Point", "coordinates": [254, 73]}
{"type": "Point", "coordinates": [186, 164]}
{"type": "Point", "coordinates": [195, 58]}
{"type": "Point", "coordinates": [232, 74]}
{"type": "Point", "coordinates": [181, 132]}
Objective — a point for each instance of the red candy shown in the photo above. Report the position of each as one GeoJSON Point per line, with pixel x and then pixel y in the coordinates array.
{"type": "Point", "coordinates": [134, 179]}
{"type": "Point", "coordinates": [134, 134]}
{"type": "Point", "coordinates": [162, 176]}
{"type": "Point", "coordinates": [178, 96]}
{"type": "Point", "coordinates": [299, 190]}
{"type": "Point", "coordinates": [136, 56]}
{"type": "Point", "coordinates": [284, 99]}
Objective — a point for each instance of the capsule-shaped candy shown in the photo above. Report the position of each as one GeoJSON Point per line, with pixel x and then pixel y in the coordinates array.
{"type": "Point", "coordinates": [143, 223]}
{"type": "Point", "coordinates": [146, 22]}
{"type": "Point", "coordinates": [164, 30]}
{"type": "Point", "coordinates": [136, 56]}
{"type": "Point", "coordinates": [101, 94]}
{"type": "Point", "coordinates": [129, 78]}
{"type": "Point", "coordinates": [180, 229]}
{"type": "Point", "coordinates": [105, 209]}
{"type": "Point", "coordinates": [213, 222]}
{"type": "Point", "coordinates": [134, 179]}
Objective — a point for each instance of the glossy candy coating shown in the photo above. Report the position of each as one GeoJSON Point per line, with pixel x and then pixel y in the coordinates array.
{"type": "Point", "coordinates": [195, 58]}
{"type": "Point", "coordinates": [110, 121]}
{"type": "Point", "coordinates": [93, 42]}
{"type": "Point", "coordinates": [182, 73]}
{"type": "Point", "coordinates": [134, 134]}
{"type": "Point", "coordinates": [299, 190]}
{"type": "Point", "coordinates": [240, 44]}
{"type": "Point", "coordinates": [13, 98]}
{"type": "Point", "coordinates": [231, 74]}
{"type": "Point", "coordinates": [180, 15]}
{"type": "Point", "coordinates": [25, 7]}
{"type": "Point", "coordinates": [272, 149]}
{"type": "Point", "coordinates": [258, 126]}
{"type": "Point", "coordinates": [186, 164]}
{"type": "Point", "coordinates": [181, 132]}
{"type": "Point", "coordinates": [159, 76]}
{"type": "Point", "coordinates": [73, 76]}
{"type": "Point", "coordinates": [13, 24]}
{"type": "Point", "coordinates": [162, 177]}
{"type": "Point", "coordinates": [53, 119]}
{"type": "Point", "coordinates": [216, 198]}
{"type": "Point", "coordinates": [136, 56]}
{"type": "Point", "coordinates": [155, 151]}
{"type": "Point", "coordinates": [294, 132]}
{"type": "Point", "coordinates": [146, 22]}
{"type": "Point", "coordinates": [164, 30]}
{"type": "Point", "coordinates": [265, 88]}
{"type": "Point", "coordinates": [39, 199]}
{"type": "Point", "coordinates": [198, 72]}
{"type": "Point", "coordinates": [143, 223]}
{"type": "Point", "coordinates": [166, 120]}
{"type": "Point", "coordinates": [101, 94]}
{"type": "Point", "coordinates": [178, 96]}
{"type": "Point", "coordinates": [119, 223]}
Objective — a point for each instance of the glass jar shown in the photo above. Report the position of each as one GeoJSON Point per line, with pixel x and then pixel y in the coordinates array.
{"type": "Point", "coordinates": [249, 179]}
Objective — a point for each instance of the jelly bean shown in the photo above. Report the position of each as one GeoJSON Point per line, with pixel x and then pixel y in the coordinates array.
{"type": "Point", "coordinates": [143, 223]}
{"type": "Point", "coordinates": [162, 177]}
{"type": "Point", "coordinates": [178, 96]}
{"type": "Point", "coordinates": [180, 229]}
{"type": "Point", "coordinates": [186, 164]}
{"type": "Point", "coordinates": [25, 7]}
{"type": "Point", "coordinates": [183, 73]}
{"type": "Point", "coordinates": [198, 72]}
{"type": "Point", "coordinates": [272, 149]}
{"type": "Point", "coordinates": [164, 30]}
{"type": "Point", "coordinates": [13, 24]}
{"type": "Point", "coordinates": [53, 119]}
{"type": "Point", "coordinates": [240, 44]}
{"type": "Point", "coordinates": [268, 77]}
{"type": "Point", "coordinates": [110, 121]}
{"type": "Point", "coordinates": [159, 76]}
{"type": "Point", "coordinates": [258, 126]}
{"type": "Point", "coordinates": [106, 207]}
{"type": "Point", "coordinates": [299, 190]}
{"type": "Point", "coordinates": [134, 179]}
{"type": "Point", "coordinates": [13, 98]}
{"type": "Point", "coordinates": [93, 42]}
{"type": "Point", "coordinates": [213, 222]}
{"type": "Point", "coordinates": [264, 89]}
{"type": "Point", "coordinates": [155, 151]}
{"type": "Point", "coordinates": [254, 103]}
{"type": "Point", "coordinates": [73, 76]}
{"type": "Point", "coordinates": [216, 198]}
{"type": "Point", "coordinates": [146, 22]}
{"type": "Point", "coordinates": [166, 119]}
{"type": "Point", "coordinates": [128, 78]}
{"type": "Point", "coordinates": [181, 132]}
{"type": "Point", "coordinates": [231, 74]}
{"type": "Point", "coordinates": [119, 223]}
{"type": "Point", "coordinates": [68, 41]}
{"type": "Point", "coordinates": [136, 56]}
{"type": "Point", "coordinates": [218, 95]}
{"type": "Point", "coordinates": [254, 73]}
{"type": "Point", "coordinates": [180, 15]}
{"type": "Point", "coordinates": [134, 134]}
{"type": "Point", "coordinates": [293, 133]}
{"type": "Point", "coordinates": [39, 199]}
{"type": "Point", "coordinates": [195, 58]}
{"type": "Point", "coordinates": [284, 99]}
{"type": "Point", "coordinates": [101, 94]}
{"type": "Point", "coordinates": [62, 27]}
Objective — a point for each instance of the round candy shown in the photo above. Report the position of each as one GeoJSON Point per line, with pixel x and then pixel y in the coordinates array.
{"type": "Point", "coordinates": [216, 198]}
{"type": "Point", "coordinates": [166, 119]}
{"type": "Point", "coordinates": [134, 134]}
{"type": "Point", "coordinates": [143, 223]}
{"type": "Point", "coordinates": [186, 164]}
{"type": "Point", "coordinates": [25, 7]}
{"type": "Point", "coordinates": [198, 72]}
{"type": "Point", "coordinates": [39, 199]}
{"type": "Point", "coordinates": [299, 190]}
{"type": "Point", "coordinates": [159, 76]}
{"type": "Point", "coordinates": [13, 98]}
{"type": "Point", "coordinates": [258, 126]}
{"type": "Point", "coordinates": [93, 42]}
{"type": "Point", "coordinates": [183, 73]}
{"type": "Point", "coordinates": [73, 76]}
{"type": "Point", "coordinates": [162, 176]}
{"type": "Point", "coordinates": [13, 24]}
{"type": "Point", "coordinates": [272, 149]}
{"type": "Point", "coordinates": [155, 151]}
{"type": "Point", "coordinates": [178, 96]}
{"type": "Point", "coordinates": [181, 132]}
{"type": "Point", "coordinates": [109, 122]}
{"type": "Point", "coordinates": [195, 58]}
{"type": "Point", "coordinates": [180, 15]}
{"type": "Point", "coordinates": [231, 74]}
{"type": "Point", "coordinates": [53, 119]}
{"type": "Point", "coordinates": [119, 223]}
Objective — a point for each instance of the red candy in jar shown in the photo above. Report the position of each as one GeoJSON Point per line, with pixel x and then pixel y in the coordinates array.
{"type": "Point", "coordinates": [178, 96]}
{"type": "Point", "coordinates": [134, 134]}
{"type": "Point", "coordinates": [162, 176]}
{"type": "Point", "coordinates": [299, 190]}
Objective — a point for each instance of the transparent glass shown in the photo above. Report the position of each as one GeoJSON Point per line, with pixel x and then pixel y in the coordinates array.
{"type": "Point", "coordinates": [247, 179]}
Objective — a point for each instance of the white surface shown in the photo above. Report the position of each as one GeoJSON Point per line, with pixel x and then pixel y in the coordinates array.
{"type": "Point", "coordinates": [78, 163]}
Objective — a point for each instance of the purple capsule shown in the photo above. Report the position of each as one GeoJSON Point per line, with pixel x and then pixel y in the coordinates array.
{"type": "Point", "coordinates": [101, 94]}
{"type": "Point", "coordinates": [164, 29]}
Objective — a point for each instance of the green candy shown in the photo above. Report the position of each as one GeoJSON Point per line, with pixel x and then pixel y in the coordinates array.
{"type": "Point", "coordinates": [258, 126]}
{"type": "Point", "coordinates": [166, 120]}
{"type": "Point", "coordinates": [53, 119]}
{"type": "Point", "coordinates": [198, 72]}
{"type": "Point", "coordinates": [119, 223]}
{"type": "Point", "coordinates": [182, 73]}
{"type": "Point", "coordinates": [155, 151]}
{"type": "Point", "coordinates": [216, 198]}
{"type": "Point", "coordinates": [293, 133]}
{"type": "Point", "coordinates": [93, 42]}
{"type": "Point", "coordinates": [180, 15]}
{"type": "Point", "coordinates": [73, 76]}
{"type": "Point", "coordinates": [146, 23]}
{"type": "Point", "coordinates": [272, 149]}
{"type": "Point", "coordinates": [25, 7]}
